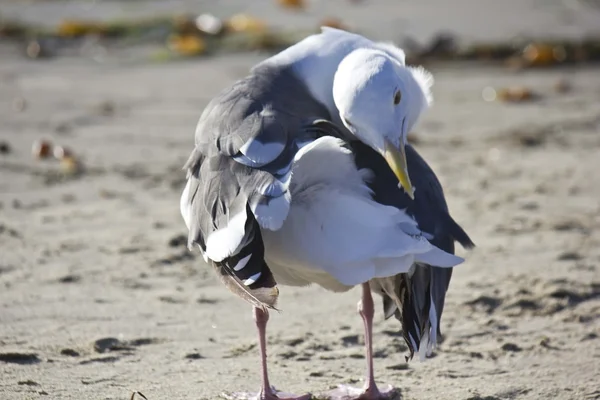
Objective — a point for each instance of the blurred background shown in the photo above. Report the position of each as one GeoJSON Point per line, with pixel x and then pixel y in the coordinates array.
{"type": "Point", "coordinates": [99, 295]}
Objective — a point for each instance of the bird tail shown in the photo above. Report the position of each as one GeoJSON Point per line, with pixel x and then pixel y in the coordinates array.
{"type": "Point", "coordinates": [456, 232]}
{"type": "Point", "coordinates": [417, 298]}
{"type": "Point", "coordinates": [408, 298]}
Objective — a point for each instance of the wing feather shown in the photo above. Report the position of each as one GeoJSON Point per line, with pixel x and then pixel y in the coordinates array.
{"type": "Point", "coordinates": [239, 175]}
{"type": "Point", "coordinates": [415, 298]}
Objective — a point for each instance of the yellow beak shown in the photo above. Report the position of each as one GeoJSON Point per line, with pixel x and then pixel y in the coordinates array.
{"type": "Point", "coordinates": [396, 159]}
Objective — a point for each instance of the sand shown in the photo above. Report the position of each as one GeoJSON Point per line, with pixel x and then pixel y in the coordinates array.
{"type": "Point", "coordinates": [100, 297]}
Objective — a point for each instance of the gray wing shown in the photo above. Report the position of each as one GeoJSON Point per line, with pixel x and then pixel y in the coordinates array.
{"type": "Point", "coordinates": [417, 300]}
{"type": "Point", "coordinates": [239, 173]}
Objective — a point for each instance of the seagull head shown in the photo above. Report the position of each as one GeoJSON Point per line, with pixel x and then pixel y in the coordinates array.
{"type": "Point", "coordinates": [379, 101]}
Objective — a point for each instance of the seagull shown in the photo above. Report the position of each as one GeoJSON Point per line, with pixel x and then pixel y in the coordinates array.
{"type": "Point", "coordinates": [301, 174]}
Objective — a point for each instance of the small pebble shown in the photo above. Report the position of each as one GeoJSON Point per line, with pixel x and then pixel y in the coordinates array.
{"type": "Point", "coordinates": [193, 356]}
{"type": "Point", "coordinates": [209, 24]}
{"type": "Point", "coordinates": [41, 149]}
{"type": "Point", "coordinates": [297, 4]}
{"type": "Point", "coordinates": [398, 367]}
{"type": "Point", "coordinates": [569, 256]}
{"type": "Point", "coordinates": [590, 336]}
{"type": "Point", "coordinates": [69, 279]}
{"type": "Point", "coordinates": [108, 344]}
{"type": "Point", "coordinates": [488, 94]}
{"type": "Point", "coordinates": [4, 148]}
{"type": "Point", "coordinates": [69, 352]}
{"type": "Point", "coordinates": [61, 152]}
{"type": "Point", "coordinates": [511, 347]}
{"type": "Point", "coordinates": [515, 94]}
{"type": "Point", "coordinates": [33, 49]}
{"type": "Point", "coordinates": [28, 382]}
{"type": "Point", "coordinates": [70, 166]}
{"type": "Point", "coordinates": [179, 240]}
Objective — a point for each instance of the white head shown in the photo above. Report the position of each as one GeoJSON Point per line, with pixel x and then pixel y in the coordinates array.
{"type": "Point", "coordinates": [379, 101]}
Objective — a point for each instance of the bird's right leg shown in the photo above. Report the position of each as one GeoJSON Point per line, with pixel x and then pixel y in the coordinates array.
{"type": "Point", "coordinates": [267, 392]}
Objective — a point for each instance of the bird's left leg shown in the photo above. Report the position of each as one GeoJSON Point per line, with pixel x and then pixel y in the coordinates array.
{"type": "Point", "coordinates": [366, 309]}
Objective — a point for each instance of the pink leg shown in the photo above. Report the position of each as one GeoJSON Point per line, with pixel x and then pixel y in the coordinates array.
{"type": "Point", "coordinates": [261, 318]}
{"type": "Point", "coordinates": [366, 309]}
{"type": "Point", "coordinates": [267, 392]}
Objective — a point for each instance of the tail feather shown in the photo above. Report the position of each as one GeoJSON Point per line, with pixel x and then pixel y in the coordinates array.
{"type": "Point", "coordinates": [397, 302]}
{"type": "Point", "coordinates": [409, 298]}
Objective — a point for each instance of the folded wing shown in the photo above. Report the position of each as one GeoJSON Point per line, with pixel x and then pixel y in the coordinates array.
{"type": "Point", "coordinates": [417, 298]}
{"type": "Point", "coordinates": [239, 174]}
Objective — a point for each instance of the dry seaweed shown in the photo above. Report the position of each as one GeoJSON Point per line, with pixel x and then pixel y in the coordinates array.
{"type": "Point", "coordinates": [198, 35]}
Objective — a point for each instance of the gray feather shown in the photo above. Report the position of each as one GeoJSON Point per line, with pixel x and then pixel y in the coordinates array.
{"type": "Point", "coordinates": [245, 143]}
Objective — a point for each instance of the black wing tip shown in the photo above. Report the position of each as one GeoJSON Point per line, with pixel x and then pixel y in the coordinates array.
{"type": "Point", "coordinates": [263, 296]}
{"type": "Point", "coordinates": [458, 233]}
{"type": "Point", "coordinates": [464, 240]}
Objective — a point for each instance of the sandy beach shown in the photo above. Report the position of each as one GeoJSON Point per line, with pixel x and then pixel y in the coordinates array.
{"type": "Point", "coordinates": [100, 297]}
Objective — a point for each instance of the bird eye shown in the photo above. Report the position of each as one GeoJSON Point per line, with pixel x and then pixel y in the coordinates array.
{"type": "Point", "coordinates": [397, 97]}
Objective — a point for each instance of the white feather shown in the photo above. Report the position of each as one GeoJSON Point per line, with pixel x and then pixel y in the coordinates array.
{"type": "Point", "coordinates": [252, 279]}
{"type": "Point", "coordinates": [424, 345]}
{"type": "Point", "coordinates": [223, 242]}
{"type": "Point", "coordinates": [425, 80]}
{"type": "Point", "coordinates": [433, 320]}
{"type": "Point", "coordinates": [242, 263]}
{"type": "Point", "coordinates": [316, 58]}
{"type": "Point", "coordinates": [262, 153]}
{"type": "Point", "coordinates": [438, 258]}
{"type": "Point", "coordinates": [272, 215]}
{"type": "Point", "coordinates": [185, 208]}
{"type": "Point", "coordinates": [184, 204]}
{"type": "Point", "coordinates": [336, 230]}
{"type": "Point", "coordinates": [393, 51]}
